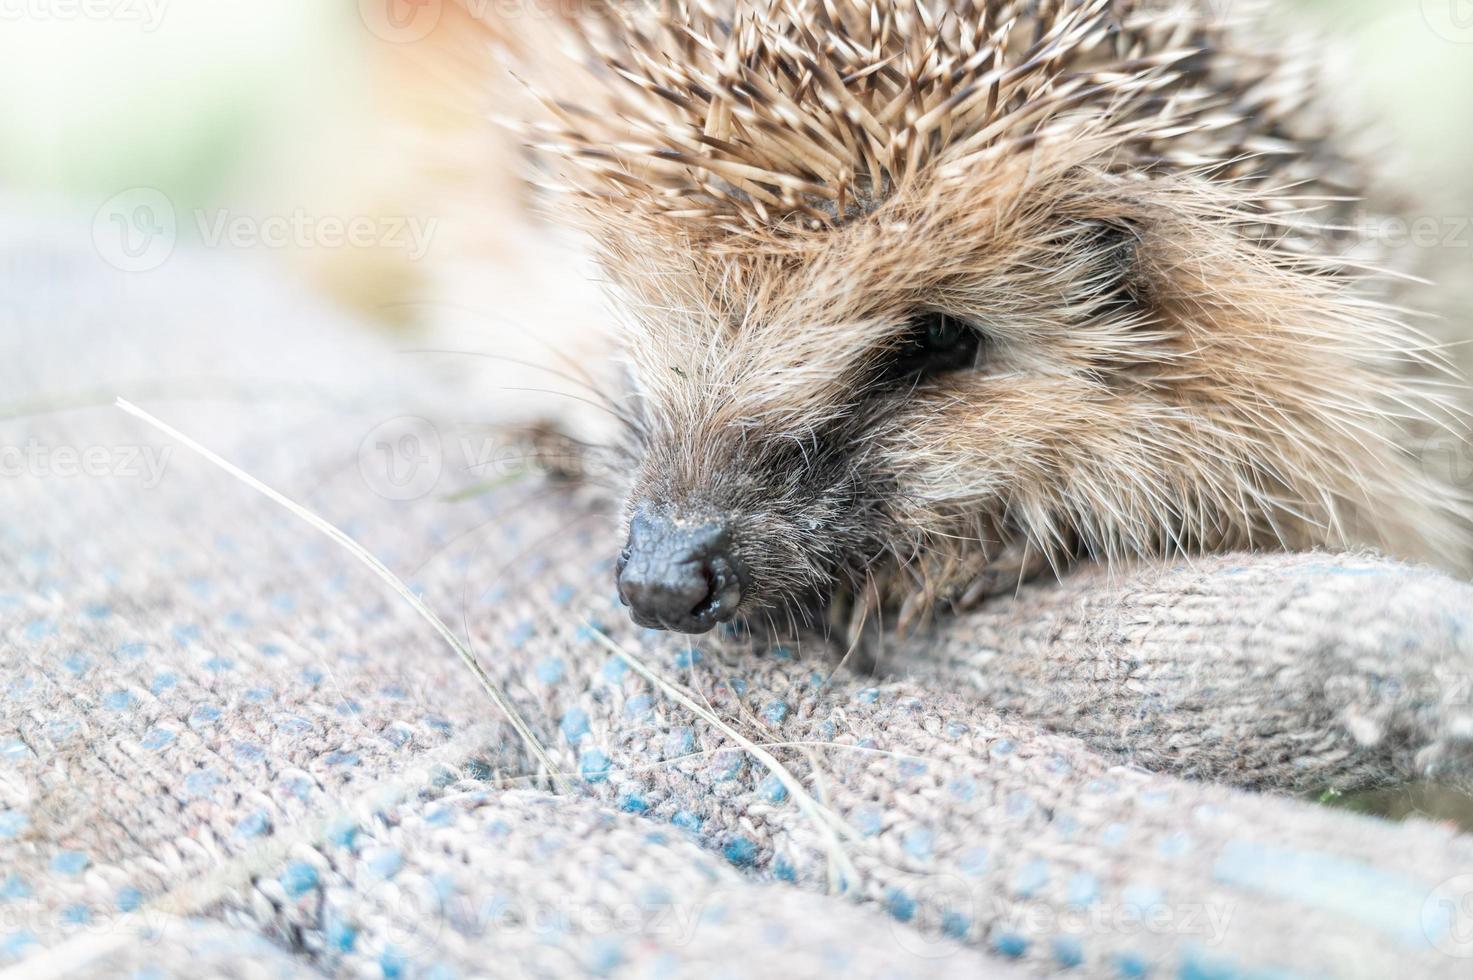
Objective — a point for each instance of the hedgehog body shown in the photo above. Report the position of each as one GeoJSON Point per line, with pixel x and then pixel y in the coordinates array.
{"type": "Point", "coordinates": [920, 298]}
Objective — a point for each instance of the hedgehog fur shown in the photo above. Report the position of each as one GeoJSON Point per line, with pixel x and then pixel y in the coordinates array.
{"type": "Point", "coordinates": [1127, 206]}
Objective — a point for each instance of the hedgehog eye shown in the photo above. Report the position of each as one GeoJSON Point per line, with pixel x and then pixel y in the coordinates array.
{"type": "Point", "coordinates": [942, 332]}
{"type": "Point", "coordinates": [935, 343]}
{"type": "Point", "coordinates": [931, 344]}
{"type": "Point", "coordinates": [1116, 246]}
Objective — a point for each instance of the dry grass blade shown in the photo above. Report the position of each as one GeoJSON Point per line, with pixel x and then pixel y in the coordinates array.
{"type": "Point", "coordinates": [378, 568]}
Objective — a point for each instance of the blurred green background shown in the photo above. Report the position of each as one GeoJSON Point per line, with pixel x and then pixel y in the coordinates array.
{"type": "Point", "coordinates": [202, 99]}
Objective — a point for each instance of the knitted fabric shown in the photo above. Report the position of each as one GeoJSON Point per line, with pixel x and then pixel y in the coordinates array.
{"type": "Point", "coordinates": [1293, 673]}
{"type": "Point", "coordinates": [217, 730]}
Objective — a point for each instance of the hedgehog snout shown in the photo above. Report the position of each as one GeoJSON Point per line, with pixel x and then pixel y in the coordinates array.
{"type": "Point", "coordinates": [679, 574]}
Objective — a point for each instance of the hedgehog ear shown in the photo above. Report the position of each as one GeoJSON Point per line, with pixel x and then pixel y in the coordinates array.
{"type": "Point", "coordinates": [1116, 245]}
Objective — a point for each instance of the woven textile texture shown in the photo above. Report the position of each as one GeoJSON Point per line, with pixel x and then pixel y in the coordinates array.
{"type": "Point", "coordinates": [1293, 673]}
{"type": "Point", "coordinates": [226, 748]}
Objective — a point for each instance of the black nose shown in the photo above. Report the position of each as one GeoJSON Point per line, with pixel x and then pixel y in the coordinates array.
{"type": "Point", "coordinates": [678, 575]}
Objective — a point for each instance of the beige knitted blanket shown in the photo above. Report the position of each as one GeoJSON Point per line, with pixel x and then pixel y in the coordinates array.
{"type": "Point", "coordinates": [228, 749]}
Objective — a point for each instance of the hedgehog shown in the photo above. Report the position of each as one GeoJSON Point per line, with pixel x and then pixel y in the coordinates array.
{"type": "Point", "coordinates": [920, 299]}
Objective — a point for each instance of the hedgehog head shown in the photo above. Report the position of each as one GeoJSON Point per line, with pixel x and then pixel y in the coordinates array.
{"type": "Point", "coordinates": [918, 299]}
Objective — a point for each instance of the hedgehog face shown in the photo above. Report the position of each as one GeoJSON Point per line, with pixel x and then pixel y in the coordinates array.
{"type": "Point", "coordinates": [817, 415]}
{"type": "Point", "coordinates": [827, 412]}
